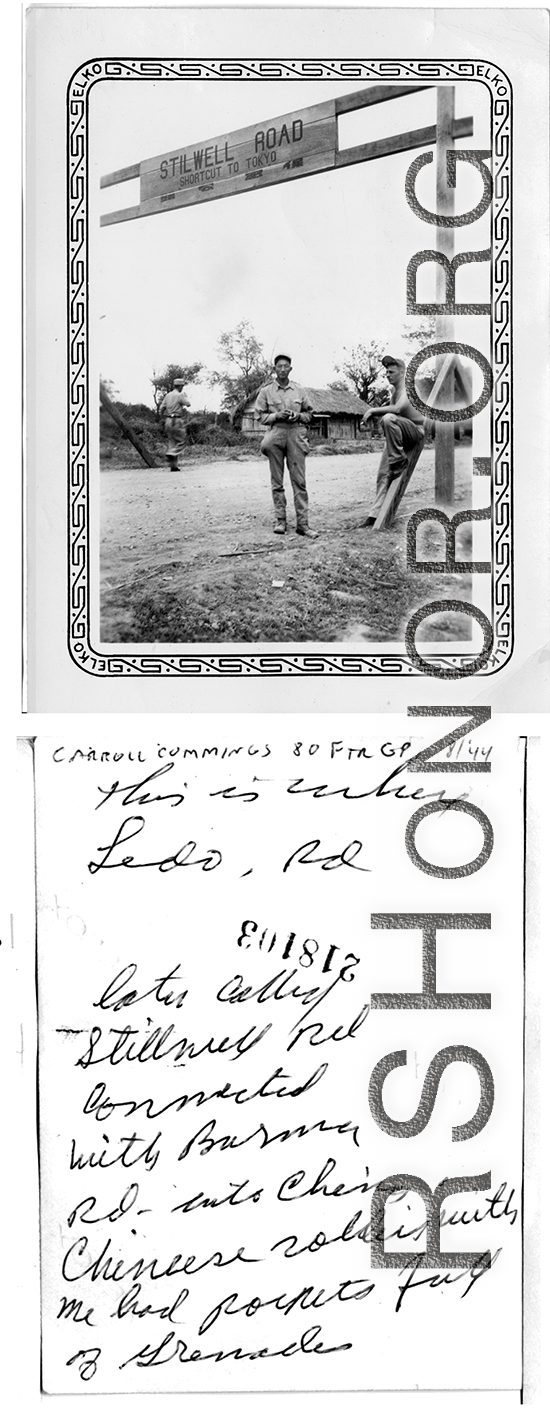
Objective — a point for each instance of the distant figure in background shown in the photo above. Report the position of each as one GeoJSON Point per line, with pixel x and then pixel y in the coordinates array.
{"type": "Point", "coordinates": [403, 427]}
{"type": "Point", "coordinates": [172, 413]}
{"type": "Point", "coordinates": [285, 409]}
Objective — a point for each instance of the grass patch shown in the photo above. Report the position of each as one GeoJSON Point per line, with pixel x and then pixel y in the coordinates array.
{"type": "Point", "coordinates": [321, 600]}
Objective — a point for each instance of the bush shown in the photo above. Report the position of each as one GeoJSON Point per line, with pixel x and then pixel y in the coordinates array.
{"type": "Point", "coordinates": [136, 412]}
{"type": "Point", "coordinates": [219, 435]}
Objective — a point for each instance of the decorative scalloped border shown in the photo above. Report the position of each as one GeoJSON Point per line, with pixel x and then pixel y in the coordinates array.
{"type": "Point", "coordinates": [223, 665]}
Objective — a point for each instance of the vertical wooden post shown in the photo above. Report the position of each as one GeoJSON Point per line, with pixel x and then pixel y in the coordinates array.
{"type": "Point", "coordinates": [445, 204]}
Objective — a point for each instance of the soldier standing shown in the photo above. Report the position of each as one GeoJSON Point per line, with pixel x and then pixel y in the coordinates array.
{"type": "Point", "coordinates": [172, 412]}
{"type": "Point", "coordinates": [285, 409]}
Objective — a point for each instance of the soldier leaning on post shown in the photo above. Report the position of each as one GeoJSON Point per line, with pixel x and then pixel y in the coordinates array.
{"type": "Point", "coordinates": [403, 427]}
{"type": "Point", "coordinates": [284, 408]}
{"type": "Point", "coordinates": [172, 413]}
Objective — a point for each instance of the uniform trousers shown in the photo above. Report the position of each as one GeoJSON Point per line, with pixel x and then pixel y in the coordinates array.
{"type": "Point", "coordinates": [176, 436]}
{"type": "Point", "coordinates": [401, 435]}
{"type": "Point", "coordinates": [287, 442]}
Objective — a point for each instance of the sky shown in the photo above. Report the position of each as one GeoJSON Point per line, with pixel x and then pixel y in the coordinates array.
{"type": "Point", "coordinates": [314, 265]}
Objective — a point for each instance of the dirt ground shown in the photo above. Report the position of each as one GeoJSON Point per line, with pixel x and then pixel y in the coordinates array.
{"type": "Point", "coordinates": [191, 557]}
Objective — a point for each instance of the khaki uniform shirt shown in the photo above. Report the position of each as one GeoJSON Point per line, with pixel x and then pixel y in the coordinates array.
{"type": "Point", "coordinates": [274, 398]}
{"type": "Point", "coordinates": [174, 404]}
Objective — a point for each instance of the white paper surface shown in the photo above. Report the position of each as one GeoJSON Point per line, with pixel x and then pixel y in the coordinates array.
{"type": "Point", "coordinates": [211, 1133]}
{"type": "Point", "coordinates": [267, 870]}
{"type": "Point", "coordinates": [118, 72]}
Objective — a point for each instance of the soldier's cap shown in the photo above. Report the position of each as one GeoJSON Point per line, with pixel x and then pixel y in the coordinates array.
{"type": "Point", "coordinates": [282, 357]}
{"type": "Point", "coordinates": [393, 362]}
{"type": "Point", "coordinates": [178, 381]}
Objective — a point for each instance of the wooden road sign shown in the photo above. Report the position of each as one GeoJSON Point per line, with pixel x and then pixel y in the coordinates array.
{"type": "Point", "coordinates": [301, 143]}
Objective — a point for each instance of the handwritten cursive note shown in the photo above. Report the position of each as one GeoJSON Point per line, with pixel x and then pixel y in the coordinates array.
{"type": "Point", "coordinates": [280, 1001]}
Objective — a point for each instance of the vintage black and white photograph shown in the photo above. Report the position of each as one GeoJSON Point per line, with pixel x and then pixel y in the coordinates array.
{"type": "Point", "coordinates": [272, 261]}
{"type": "Point", "coordinates": [288, 308]}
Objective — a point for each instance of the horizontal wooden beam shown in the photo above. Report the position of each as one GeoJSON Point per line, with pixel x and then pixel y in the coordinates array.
{"type": "Point", "coordinates": [126, 173]}
{"type": "Point", "coordinates": [237, 185]}
{"type": "Point", "coordinates": [116, 217]}
{"type": "Point", "coordinates": [403, 142]}
{"type": "Point", "coordinates": [382, 93]}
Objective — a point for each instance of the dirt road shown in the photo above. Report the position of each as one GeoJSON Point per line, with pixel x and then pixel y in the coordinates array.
{"type": "Point", "coordinates": [192, 556]}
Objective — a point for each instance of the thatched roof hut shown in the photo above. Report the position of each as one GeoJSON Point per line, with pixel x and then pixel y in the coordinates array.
{"type": "Point", "coordinates": [336, 414]}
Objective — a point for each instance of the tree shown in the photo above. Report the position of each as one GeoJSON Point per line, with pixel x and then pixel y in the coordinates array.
{"type": "Point", "coordinates": [362, 367]}
{"type": "Point", "coordinates": [164, 381]}
{"type": "Point", "coordinates": [338, 385]}
{"type": "Point", "coordinates": [418, 335]}
{"type": "Point", "coordinates": [245, 367]}
{"type": "Point", "coordinates": [107, 385]}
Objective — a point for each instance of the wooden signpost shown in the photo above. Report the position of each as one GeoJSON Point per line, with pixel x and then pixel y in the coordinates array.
{"type": "Point", "coordinates": [444, 326]}
{"type": "Point", "coordinates": [305, 143]}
